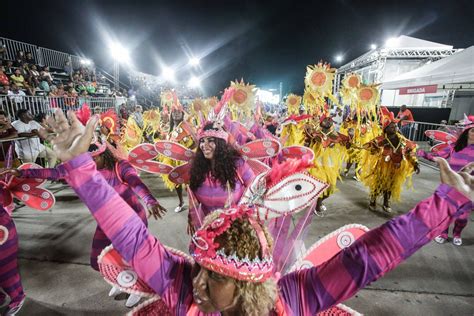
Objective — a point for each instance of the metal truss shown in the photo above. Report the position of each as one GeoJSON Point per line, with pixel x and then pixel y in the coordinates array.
{"type": "Point", "coordinates": [385, 53]}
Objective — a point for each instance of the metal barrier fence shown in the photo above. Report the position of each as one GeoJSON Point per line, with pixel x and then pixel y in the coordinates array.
{"type": "Point", "coordinates": [12, 47]}
{"type": "Point", "coordinates": [42, 56]}
{"type": "Point", "coordinates": [76, 61]}
{"type": "Point", "coordinates": [53, 58]}
{"type": "Point", "coordinates": [46, 105]}
{"type": "Point", "coordinates": [416, 132]}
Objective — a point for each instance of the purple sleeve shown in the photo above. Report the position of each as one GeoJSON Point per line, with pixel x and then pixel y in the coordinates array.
{"type": "Point", "coordinates": [129, 235]}
{"type": "Point", "coordinates": [233, 129]}
{"type": "Point", "coordinates": [445, 153]}
{"type": "Point", "coordinates": [309, 291]}
{"type": "Point", "coordinates": [246, 173]}
{"type": "Point", "coordinates": [129, 176]}
{"type": "Point", "coordinates": [41, 173]}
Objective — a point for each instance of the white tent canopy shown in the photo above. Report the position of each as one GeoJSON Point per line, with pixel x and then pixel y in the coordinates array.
{"type": "Point", "coordinates": [457, 68]}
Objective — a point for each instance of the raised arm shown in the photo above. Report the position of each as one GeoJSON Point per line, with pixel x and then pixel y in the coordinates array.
{"type": "Point", "coordinates": [40, 173]}
{"type": "Point", "coordinates": [152, 262]}
{"type": "Point", "coordinates": [380, 250]}
{"type": "Point", "coordinates": [129, 175]}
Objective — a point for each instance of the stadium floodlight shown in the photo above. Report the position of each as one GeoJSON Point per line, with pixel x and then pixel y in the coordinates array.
{"type": "Point", "coordinates": [339, 58]}
{"type": "Point", "coordinates": [373, 46]}
{"type": "Point", "coordinates": [194, 61]}
{"type": "Point", "coordinates": [119, 53]}
{"type": "Point", "coordinates": [194, 82]}
{"type": "Point", "coordinates": [168, 73]}
{"type": "Point", "coordinates": [392, 42]}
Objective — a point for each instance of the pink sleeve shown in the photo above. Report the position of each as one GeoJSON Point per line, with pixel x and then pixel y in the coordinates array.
{"type": "Point", "coordinates": [246, 173]}
{"type": "Point", "coordinates": [129, 175]}
{"type": "Point", "coordinates": [309, 291]}
{"type": "Point", "coordinates": [129, 235]}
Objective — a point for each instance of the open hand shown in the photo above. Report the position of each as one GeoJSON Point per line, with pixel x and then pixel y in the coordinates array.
{"type": "Point", "coordinates": [462, 181]}
{"type": "Point", "coordinates": [157, 211]}
{"type": "Point", "coordinates": [71, 137]}
{"type": "Point", "coordinates": [13, 172]}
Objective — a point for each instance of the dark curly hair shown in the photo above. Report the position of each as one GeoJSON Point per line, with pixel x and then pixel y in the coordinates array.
{"type": "Point", "coordinates": [461, 142]}
{"type": "Point", "coordinates": [109, 158]}
{"type": "Point", "coordinates": [225, 166]}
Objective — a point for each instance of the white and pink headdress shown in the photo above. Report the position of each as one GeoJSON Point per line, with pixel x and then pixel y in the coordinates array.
{"type": "Point", "coordinates": [216, 117]}
{"type": "Point", "coordinates": [207, 253]}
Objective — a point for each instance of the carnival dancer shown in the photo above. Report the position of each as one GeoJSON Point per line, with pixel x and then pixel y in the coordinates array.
{"type": "Point", "coordinates": [330, 150]}
{"type": "Point", "coordinates": [120, 175]}
{"type": "Point", "coordinates": [233, 272]}
{"type": "Point", "coordinates": [181, 132]}
{"type": "Point", "coordinates": [388, 162]}
{"type": "Point", "coordinates": [458, 154]}
{"type": "Point", "coordinates": [10, 281]}
{"type": "Point", "coordinates": [216, 168]}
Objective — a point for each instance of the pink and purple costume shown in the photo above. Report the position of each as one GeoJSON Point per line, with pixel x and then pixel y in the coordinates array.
{"type": "Point", "coordinates": [10, 281]}
{"type": "Point", "coordinates": [305, 292]}
{"type": "Point", "coordinates": [456, 160]}
{"type": "Point", "coordinates": [127, 184]}
{"type": "Point", "coordinates": [213, 196]}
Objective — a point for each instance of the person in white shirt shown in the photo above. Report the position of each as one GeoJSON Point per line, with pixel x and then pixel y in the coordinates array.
{"type": "Point", "coordinates": [16, 95]}
{"type": "Point", "coordinates": [28, 150]}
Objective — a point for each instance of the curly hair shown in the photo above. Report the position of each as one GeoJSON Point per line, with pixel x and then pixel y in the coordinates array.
{"type": "Point", "coordinates": [109, 158]}
{"type": "Point", "coordinates": [240, 238]}
{"type": "Point", "coordinates": [461, 142]}
{"type": "Point", "coordinates": [225, 165]}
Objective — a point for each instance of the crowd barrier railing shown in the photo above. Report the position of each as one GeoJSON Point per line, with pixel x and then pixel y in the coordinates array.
{"type": "Point", "coordinates": [53, 58]}
{"type": "Point", "coordinates": [415, 131]}
{"type": "Point", "coordinates": [46, 105]}
{"type": "Point", "coordinates": [42, 56]}
{"type": "Point", "coordinates": [30, 150]}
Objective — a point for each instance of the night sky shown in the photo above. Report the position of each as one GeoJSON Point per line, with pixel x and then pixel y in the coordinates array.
{"type": "Point", "coordinates": [262, 42]}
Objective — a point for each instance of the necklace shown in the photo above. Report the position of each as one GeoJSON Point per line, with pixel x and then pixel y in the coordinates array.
{"type": "Point", "coordinates": [391, 144]}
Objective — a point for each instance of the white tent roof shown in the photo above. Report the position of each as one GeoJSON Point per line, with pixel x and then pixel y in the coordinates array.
{"type": "Point", "coordinates": [457, 68]}
{"type": "Point", "coordinates": [407, 42]}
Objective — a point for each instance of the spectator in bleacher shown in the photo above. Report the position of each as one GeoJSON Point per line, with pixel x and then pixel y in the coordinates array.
{"type": "Point", "coordinates": [16, 95]}
{"type": "Point", "coordinates": [4, 89]}
{"type": "Point", "coordinates": [34, 75]}
{"type": "Point", "coordinates": [3, 77]}
{"type": "Point", "coordinates": [82, 97]}
{"type": "Point", "coordinates": [29, 150]}
{"type": "Point", "coordinates": [19, 58]}
{"type": "Point", "coordinates": [6, 131]}
{"type": "Point", "coordinates": [46, 75]}
{"type": "Point", "coordinates": [8, 64]}
{"type": "Point", "coordinates": [18, 79]}
{"type": "Point", "coordinates": [53, 92]}
{"type": "Point", "coordinates": [29, 59]}
{"type": "Point", "coordinates": [71, 97]}
{"type": "Point", "coordinates": [68, 69]}
{"type": "Point", "coordinates": [30, 84]}
{"type": "Point", "coordinates": [61, 91]}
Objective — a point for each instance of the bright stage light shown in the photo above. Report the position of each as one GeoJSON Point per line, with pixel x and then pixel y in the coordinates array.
{"type": "Point", "coordinates": [194, 61]}
{"type": "Point", "coordinates": [86, 61]}
{"type": "Point", "coordinates": [392, 42]}
{"type": "Point", "coordinates": [373, 46]}
{"type": "Point", "coordinates": [194, 82]}
{"type": "Point", "coordinates": [168, 73]}
{"type": "Point", "coordinates": [119, 53]}
{"type": "Point", "coordinates": [339, 58]}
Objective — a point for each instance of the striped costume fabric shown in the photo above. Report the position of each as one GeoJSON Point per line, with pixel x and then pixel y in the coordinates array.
{"type": "Point", "coordinates": [213, 196]}
{"type": "Point", "coordinates": [456, 161]}
{"type": "Point", "coordinates": [124, 180]}
{"type": "Point", "coordinates": [10, 281]}
{"type": "Point", "coordinates": [304, 292]}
